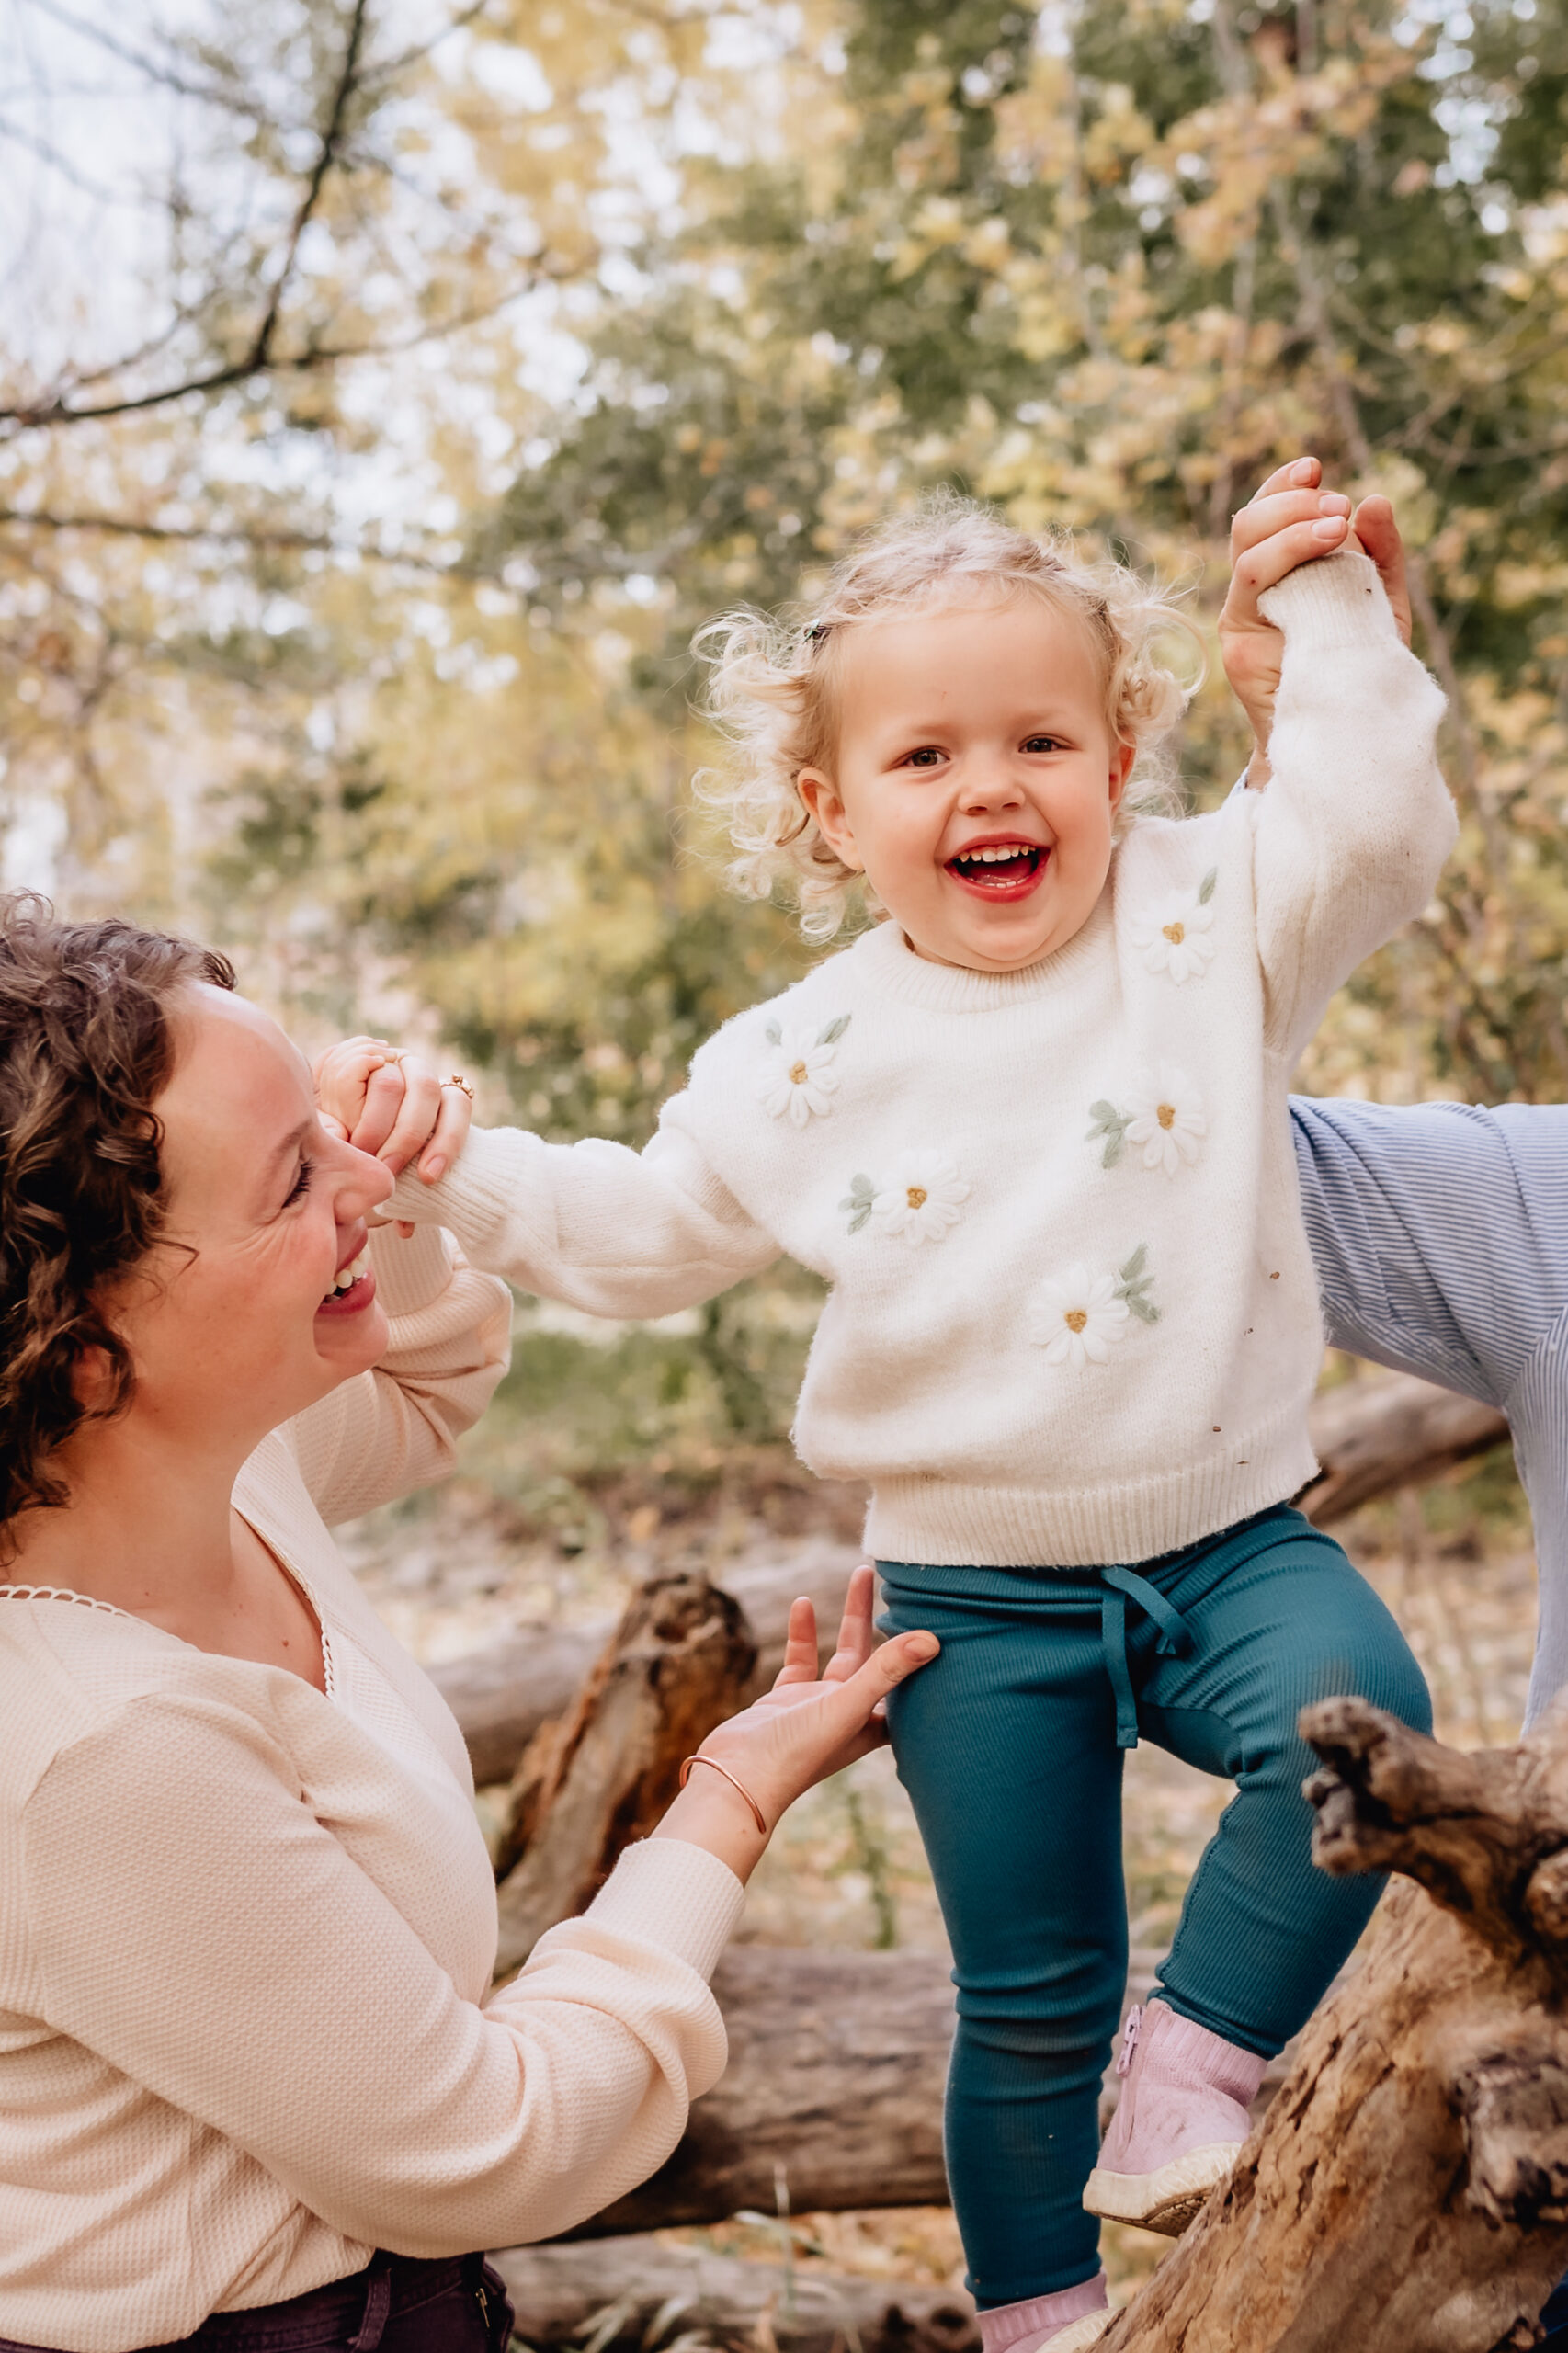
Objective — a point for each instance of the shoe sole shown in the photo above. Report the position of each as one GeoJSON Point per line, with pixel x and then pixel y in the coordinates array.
{"type": "Point", "coordinates": [1078, 2335]}
{"type": "Point", "coordinates": [1167, 2200]}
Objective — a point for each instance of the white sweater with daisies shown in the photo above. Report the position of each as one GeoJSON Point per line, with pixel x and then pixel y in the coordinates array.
{"type": "Point", "coordinates": [1072, 1316]}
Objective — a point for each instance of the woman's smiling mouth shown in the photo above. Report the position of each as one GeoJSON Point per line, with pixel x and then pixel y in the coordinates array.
{"type": "Point", "coordinates": [354, 1287]}
{"type": "Point", "coordinates": [1004, 869]}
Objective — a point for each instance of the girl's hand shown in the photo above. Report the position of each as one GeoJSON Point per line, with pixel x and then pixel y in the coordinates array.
{"type": "Point", "coordinates": [388, 1101]}
{"type": "Point", "coordinates": [1289, 521]}
{"type": "Point", "coordinates": [806, 1728]}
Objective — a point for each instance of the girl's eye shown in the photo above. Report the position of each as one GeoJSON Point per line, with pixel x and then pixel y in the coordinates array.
{"type": "Point", "coordinates": [301, 1184]}
{"type": "Point", "coordinates": [927, 757]}
{"type": "Point", "coordinates": [1042, 743]}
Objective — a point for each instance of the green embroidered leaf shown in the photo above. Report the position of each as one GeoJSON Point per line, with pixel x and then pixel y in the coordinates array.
{"type": "Point", "coordinates": [1112, 1125]}
{"type": "Point", "coordinates": [1145, 1308]}
{"type": "Point", "coordinates": [1134, 1267]}
{"type": "Point", "coordinates": [857, 1201]}
{"type": "Point", "coordinates": [834, 1030]}
{"type": "Point", "coordinates": [1206, 887]}
{"type": "Point", "coordinates": [774, 1035]}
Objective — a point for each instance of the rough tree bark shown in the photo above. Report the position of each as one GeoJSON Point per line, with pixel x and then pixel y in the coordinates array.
{"type": "Point", "coordinates": [600, 1775]}
{"type": "Point", "coordinates": [564, 2293]}
{"type": "Point", "coordinates": [1408, 2189]}
{"type": "Point", "coordinates": [1372, 1437]}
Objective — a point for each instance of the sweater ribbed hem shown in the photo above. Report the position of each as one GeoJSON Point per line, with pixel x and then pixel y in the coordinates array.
{"type": "Point", "coordinates": [949, 1525]}
{"type": "Point", "coordinates": [669, 1893]}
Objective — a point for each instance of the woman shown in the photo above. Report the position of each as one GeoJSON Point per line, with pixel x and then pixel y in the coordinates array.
{"type": "Point", "coordinates": [254, 2089]}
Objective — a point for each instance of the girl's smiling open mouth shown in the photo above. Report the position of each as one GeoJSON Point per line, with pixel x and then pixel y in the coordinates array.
{"type": "Point", "coordinates": [1010, 867]}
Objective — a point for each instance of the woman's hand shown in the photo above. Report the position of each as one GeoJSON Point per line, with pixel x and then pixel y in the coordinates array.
{"type": "Point", "coordinates": [807, 1727]}
{"type": "Point", "coordinates": [1289, 521]}
{"type": "Point", "coordinates": [388, 1101]}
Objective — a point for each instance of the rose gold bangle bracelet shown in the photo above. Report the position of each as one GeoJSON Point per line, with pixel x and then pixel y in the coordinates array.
{"type": "Point", "coordinates": [714, 1761]}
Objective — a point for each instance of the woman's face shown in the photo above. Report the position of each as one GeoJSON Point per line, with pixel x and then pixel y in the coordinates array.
{"type": "Point", "coordinates": [246, 1326]}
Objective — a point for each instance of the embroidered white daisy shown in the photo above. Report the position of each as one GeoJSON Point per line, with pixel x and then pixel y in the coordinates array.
{"type": "Point", "coordinates": [922, 1199]}
{"type": "Point", "coordinates": [797, 1079]}
{"type": "Point", "coordinates": [1175, 932]}
{"type": "Point", "coordinates": [1077, 1318]}
{"type": "Point", "coordinates": [1167, 1121]}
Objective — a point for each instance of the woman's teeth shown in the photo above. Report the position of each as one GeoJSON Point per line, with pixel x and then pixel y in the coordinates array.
{"type": "Point", "coordinates": [346, 1277]}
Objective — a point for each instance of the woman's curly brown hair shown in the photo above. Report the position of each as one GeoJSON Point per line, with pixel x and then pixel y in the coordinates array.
{"type": "Point", "coordinates": [86, 1046]}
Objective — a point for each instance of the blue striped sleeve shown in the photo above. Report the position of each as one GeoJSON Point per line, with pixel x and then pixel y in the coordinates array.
{"type": "Point", "coordinates": [1440, 1233]}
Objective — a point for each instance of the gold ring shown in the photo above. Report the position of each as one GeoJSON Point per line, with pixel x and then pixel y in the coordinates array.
{"type": "Point", "coordinates": [457, 1080]}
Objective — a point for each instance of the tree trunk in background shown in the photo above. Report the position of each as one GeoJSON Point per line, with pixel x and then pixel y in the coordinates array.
{"type": "Point", "coordinates": [502, 1694]}
{"type": "Point", "coordinates": [1372, 1437]}
{"type": "Point", "coordinates": [600, 1776]}
{"type": "Point", "coordinates": [1408, 2189]}
{"type": "Point", "coordinates": [564, 2293]}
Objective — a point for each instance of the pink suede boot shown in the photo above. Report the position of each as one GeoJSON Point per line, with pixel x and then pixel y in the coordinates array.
{"type": "Point", "coordinates": [1180, 2121]}
{"type": "Point", "coordinates": [1063, 2322]}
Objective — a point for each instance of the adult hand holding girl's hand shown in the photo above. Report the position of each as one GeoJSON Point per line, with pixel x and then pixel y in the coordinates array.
{"type": "Point", "coordinates": [388, 1101]}
{"type": "Point", "coordinates": [807, 1727]}
{"type": "Point", "coordinates": [1291, 520]}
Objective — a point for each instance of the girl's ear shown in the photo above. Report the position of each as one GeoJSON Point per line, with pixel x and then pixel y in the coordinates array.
{"type": "Point", "coordinates": [820, 797]}
{"type": "Point", "coordinates": [1121, 760]}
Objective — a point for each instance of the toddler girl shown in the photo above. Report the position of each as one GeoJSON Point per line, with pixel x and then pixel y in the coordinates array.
{"type": "Point", "coordinates": [1030, 1128]}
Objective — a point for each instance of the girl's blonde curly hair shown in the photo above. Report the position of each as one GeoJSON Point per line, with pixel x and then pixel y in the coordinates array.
{"type": "Point", "coordinates": [775, 684]}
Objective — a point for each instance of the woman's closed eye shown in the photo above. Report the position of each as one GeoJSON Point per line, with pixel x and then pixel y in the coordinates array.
{"type": "Point", "coordinates": [301, 1183]}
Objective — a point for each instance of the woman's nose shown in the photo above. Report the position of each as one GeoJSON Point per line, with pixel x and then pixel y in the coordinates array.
{"type": "Point", "coordinates": [366, 1183]}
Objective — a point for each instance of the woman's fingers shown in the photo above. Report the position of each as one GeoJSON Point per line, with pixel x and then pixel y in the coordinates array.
{"type": "Point", "coordinates": [452, 1123]}
{"type": "Point", "coordinates": [417, 1113]}
{"type": "Point", "coordinates": [856, 1634]}
{"type": "Point", "coordinates": [1374, 525]}
{"type": "Point", "coordinates": [800, 1645]}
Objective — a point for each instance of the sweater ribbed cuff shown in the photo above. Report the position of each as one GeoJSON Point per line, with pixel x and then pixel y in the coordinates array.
{"type": "Point", "coordinates": [481, 1185]}
{"type": "Point", "coordinates": [1329, 604]}
{"type": "Point", "coordinates": [669, 1893]}
{"type": "Point", "coordinates": [410, 1274]}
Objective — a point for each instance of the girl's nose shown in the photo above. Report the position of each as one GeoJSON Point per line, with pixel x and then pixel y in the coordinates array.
{"type": "Point", "coordinates": [990, 783]}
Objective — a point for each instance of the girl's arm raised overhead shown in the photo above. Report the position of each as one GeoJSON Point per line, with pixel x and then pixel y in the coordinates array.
{"type": "Point", "coordinates": [613, 1231]}
{"type": "Point", "coordinates": [1354, 823]}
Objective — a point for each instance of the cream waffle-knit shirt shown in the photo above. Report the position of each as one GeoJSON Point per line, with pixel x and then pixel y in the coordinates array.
{"type": "Point", "coordinates": [247, 1932]}
{"type": "Point", "coordinates": [1072, 1317]}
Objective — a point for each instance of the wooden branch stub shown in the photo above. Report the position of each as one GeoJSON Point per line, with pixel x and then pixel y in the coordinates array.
{"type": "Point", "coordinates": [591, 1783]}
{"type": "Point", "coordinates": [1469, 1829]}
{"type": "Point", "coordinates": [1513, 2103]}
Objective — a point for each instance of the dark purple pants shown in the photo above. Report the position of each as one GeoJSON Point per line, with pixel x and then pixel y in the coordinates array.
{"type": "Point", "coordinates": [396, 2305]}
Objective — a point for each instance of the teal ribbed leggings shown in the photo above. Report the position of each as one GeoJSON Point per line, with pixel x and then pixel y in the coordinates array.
{"type": "Point", "coordinates": [1010, 1745]}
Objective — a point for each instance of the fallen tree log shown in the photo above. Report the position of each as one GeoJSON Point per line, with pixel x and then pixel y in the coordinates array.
{"type": "Point", "coordinates": [644, 2292]}
{"type": "Point", "coordinates": [838, 2063]}
{"type": "Point", "coordinates": [837, 2066]}
{"type": "Point", "coordinates": [600, 1775]}
{"type": "Point", "coordinates": [1408, 2191]}
{"type": "Point", "coordinates": [1372, 1437]}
